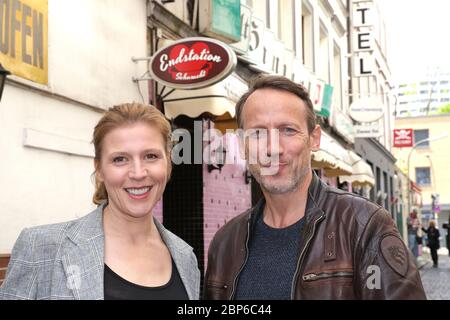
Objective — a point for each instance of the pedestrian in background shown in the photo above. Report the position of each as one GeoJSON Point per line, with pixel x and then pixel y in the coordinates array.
{"type": "Point", "coordinates": [413, 225]}
{"type": "Point", "coordinates": [119, 250]}
{"type": "Point", "coordinates": [433, 241]}
{"type": "Point", "coordinates": [447, 226]}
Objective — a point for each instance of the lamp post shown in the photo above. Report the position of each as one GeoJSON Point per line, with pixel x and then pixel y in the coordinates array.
{"type": "Point", "coordinates": [3, 74]}
{"type": "Point", "coordinates": [444, 135]}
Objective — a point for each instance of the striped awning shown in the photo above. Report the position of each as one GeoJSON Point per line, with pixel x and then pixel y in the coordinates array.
{"type": "Point", "coordinates": [362, 172]}
{"type": "Point", "coordinates": [332, 157]}
{"type": "Point", "coordinates": [217, 99]}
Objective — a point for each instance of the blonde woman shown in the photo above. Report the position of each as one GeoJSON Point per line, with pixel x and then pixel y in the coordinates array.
{"type": "Point", "coordinates": [118, 251]}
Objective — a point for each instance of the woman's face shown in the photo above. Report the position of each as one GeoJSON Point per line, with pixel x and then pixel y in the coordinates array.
{"type": "Point", "coordinates": [133, 166]}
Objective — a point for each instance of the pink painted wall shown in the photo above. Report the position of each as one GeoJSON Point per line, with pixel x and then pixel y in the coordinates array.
{"type": "Point", "coordinates": [225, 195]}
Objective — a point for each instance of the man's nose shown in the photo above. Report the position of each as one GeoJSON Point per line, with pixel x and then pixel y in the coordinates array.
{"type": "Point", "coordinates": [273, 143]}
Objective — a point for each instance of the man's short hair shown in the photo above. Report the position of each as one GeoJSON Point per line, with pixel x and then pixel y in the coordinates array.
{"type": "Point", "coordinates": [278, 83]}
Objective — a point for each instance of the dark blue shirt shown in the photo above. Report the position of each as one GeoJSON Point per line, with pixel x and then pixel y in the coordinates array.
{"type": "Point", "coordinates": [271, 264]}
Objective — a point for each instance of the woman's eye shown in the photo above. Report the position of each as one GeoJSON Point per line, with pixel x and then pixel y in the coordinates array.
{"type": "Point", "coordinates": [151, 156]}
{"type": "Point", "coordinates": [119, 159]}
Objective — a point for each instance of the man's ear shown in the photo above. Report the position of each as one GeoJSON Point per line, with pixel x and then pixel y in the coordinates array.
{"type": "Point", "coordinates": [314, 138]}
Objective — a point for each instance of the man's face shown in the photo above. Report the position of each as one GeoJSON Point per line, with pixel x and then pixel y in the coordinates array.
{"type": "Point", "coordinates": [282, 116]}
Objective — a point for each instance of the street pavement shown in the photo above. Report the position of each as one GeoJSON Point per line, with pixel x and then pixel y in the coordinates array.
{"type": "Point", "coordinates": [436, 281]}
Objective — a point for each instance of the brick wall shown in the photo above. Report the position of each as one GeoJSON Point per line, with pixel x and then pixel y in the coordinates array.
{"type": "Point", "coordinates": [4, 260]}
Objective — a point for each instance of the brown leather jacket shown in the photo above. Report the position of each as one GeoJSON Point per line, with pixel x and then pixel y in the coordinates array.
{"type": "Point", "coordinates": [350, 249]}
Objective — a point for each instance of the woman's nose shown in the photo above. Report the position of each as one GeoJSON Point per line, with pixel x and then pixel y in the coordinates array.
{"type": "Point", "coordinates": [138, 170]}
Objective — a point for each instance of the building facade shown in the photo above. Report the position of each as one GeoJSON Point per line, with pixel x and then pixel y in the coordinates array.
{"type": "Point", "coordinates": [371, 82]}
{"type": "Point", "coordinates": [50, 106]}
{"type": "Point", "coordinates": [429, 96]}
{"type": "Point", "coordinates": [428, 163]}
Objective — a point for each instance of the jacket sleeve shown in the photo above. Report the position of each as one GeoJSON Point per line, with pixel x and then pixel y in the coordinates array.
{"type": "Point", "coordinates": [385, 268]}
{"type": "Point", "coordinates": [196, 276]}
{"type": "Point", "coordinates": [21, 276]}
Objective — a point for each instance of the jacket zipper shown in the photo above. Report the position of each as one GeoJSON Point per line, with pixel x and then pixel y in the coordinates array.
{"type": "Point", "coordinates": [302, 254]}
{"type": "Point", "coordinates": [245, 262]}
{"type": "Point", "coordinates": [326, 275]}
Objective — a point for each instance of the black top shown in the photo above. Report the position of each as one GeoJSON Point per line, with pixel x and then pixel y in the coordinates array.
{"type": "Point", "coordinates": [118, 288]}
{"type": "Point", "coordinates": [271, 264]}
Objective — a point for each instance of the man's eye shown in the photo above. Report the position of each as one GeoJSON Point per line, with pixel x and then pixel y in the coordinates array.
{"type": "Point", "coordinates": [119, 159]}
{"type": "Point", "coordinates": [288, 131]}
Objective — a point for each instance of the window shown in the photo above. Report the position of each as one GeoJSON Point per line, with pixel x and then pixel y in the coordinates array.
{"type": "Point", "coordinates": [323, 71]}
{"type": "Point", "coordinates": [421, 135]}
{"type": "Point", "coordinates": [337, 81]}
{"type": "Point", "coordinates": [286, 29]}
{"type": "Point", "coordinates": [307, 38]}
{"type": "Point", "coordinates": [260, 10]}
{"type": "Point", "coordinates": [423, 176]}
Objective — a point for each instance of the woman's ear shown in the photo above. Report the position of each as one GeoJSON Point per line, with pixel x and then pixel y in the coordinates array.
{"type": "Point", "coordinates": [98, 174]}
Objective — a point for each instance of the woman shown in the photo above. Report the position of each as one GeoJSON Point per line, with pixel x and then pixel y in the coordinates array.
{"type": "Point", "coordinates": [433, 241]}
{"type": "Point", "coordinates": [118, 251]}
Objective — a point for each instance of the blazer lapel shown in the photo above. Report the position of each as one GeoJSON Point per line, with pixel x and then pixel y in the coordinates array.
{"type": "Point", "coordinates": [180, 253]}
{"type": "Point", "coordinates": [83, 263]}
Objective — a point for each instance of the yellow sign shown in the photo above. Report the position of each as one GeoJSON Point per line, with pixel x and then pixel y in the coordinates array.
{"type": "Point", "coordinates": [24, 38]}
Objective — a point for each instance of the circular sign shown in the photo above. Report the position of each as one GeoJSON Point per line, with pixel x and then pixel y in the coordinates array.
{"type": "Point", "coordinates": [366, 110]}
{"type": "Point", "coordinates": [192, 63]}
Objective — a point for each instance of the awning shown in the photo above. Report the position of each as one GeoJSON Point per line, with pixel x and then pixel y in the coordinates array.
{"type": "Point", "coordinates": [332, 157]}
{"type": "Point", "coordinates": [362, 172]}
{"type": "Point", "coordinates": [324, 158]}
{"type": "Point", "coordinates": [217, 99]}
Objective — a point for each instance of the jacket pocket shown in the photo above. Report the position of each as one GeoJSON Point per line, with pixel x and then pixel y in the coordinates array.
{"type": "Point", "coordinates": [309, 277]}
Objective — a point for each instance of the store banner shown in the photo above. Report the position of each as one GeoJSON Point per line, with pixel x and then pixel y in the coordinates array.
{"type": "Point", "coordinates": [24, 38]}
{"type": "Point", "coordinates": [403, 138]}
{"type": "Point", "coordinates": [326, 101]}
{"type": "Point", "coordinates": [192, 63]}
{"type": "Point", "coordinates": [221, 19]}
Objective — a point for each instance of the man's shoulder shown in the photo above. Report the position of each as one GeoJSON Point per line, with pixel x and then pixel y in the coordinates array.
{"type": "Point", "coordinates": [350, 204]}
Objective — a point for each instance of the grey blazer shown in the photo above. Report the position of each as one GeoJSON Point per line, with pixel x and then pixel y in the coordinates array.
{"type": "Point", "coordinates": [66, 261]}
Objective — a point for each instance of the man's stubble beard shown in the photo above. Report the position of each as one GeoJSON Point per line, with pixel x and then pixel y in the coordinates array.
{"type": "Point", "coordinates": [294, 180]}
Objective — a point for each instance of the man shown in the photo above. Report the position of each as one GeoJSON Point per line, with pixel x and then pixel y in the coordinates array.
{"type": "Point", "coordinates": [413, 225]}
{"type": "Point", "coordinates": [303, 240]}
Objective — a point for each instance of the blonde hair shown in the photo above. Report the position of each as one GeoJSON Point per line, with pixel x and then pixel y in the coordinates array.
{"type": "Point", "coordinates": [432, 224]}
{"type": "Point", "coordinates": [127, 114]}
